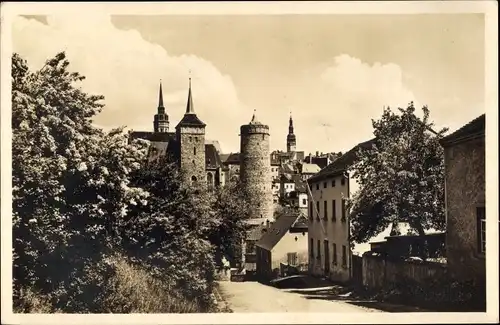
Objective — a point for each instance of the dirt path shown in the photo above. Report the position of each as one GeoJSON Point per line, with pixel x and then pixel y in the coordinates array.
{"type": "Point", "coordinates": [255, 297]}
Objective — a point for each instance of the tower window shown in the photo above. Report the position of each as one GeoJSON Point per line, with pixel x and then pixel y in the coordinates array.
{"type": "Point", "coordinates": [194, 151]}
{"type": "Point", "coordinates": [190, 139]}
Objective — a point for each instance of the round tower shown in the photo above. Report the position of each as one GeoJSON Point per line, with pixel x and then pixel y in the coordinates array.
{"type": "Point", "coordinates": [255, 168]}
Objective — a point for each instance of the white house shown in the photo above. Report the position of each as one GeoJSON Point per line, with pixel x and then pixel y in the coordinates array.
{"type": "Point", "coordinates": [329, 250]}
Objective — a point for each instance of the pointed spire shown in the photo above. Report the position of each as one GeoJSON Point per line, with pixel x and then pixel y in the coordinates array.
{"type": "Point", "coordinates": [190, 107]}
{"type": "Point", "coordinates": [160, 97]}
{"type": "Point", "coordinates": [291, 120]}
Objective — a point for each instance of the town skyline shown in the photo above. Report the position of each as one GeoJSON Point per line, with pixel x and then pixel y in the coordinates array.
{"type": "Point", "coordinates": [231, 76]}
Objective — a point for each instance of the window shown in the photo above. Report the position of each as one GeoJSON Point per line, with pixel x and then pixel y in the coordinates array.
{"type": "Point", "coordinates": [333, 183]}
{"type": "Point", "coordinates": [318, 247]}
{"type": "Point", "coordinates": [325, 210]}
{"type": "Point", "coordinates": [343, 210]}
{"type": "Point", "coordinates": [190, 139]}
{"type": "Point", "coordinates": [325, 185]}
{"type": "Point", "coordinates": [193, 179]}
{"type": "Point", "coordinates": [334, 259]}
{"type": "Point", "coordinates": [344, 255]}
{"type": "Point", "coordinates": [334, 210]}
{"type": "Point", "coordinates": [304, 201]}
{"type": "Point", "coordinates": [317, 186]}
{"type": "Point", "coordinates": [292, 258]}
{"type": "Point", "coordinates": [342, 181]}
{"type": "Point", "coordinates": [311, 247]}
{"type": "Point", "coordinates": [481, 229]}
{"type": "Point", "coordinates": [317, 210]}
{"type": "Point", "coordinates": [311, 212]}
{"type": "Point", "coordinates": [194, 151]}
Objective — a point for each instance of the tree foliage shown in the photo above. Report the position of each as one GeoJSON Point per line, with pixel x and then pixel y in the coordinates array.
{"type": "Point", "coordinates": [401, 177]}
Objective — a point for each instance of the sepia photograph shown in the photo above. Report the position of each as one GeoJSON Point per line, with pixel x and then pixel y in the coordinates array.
{"type": "Point", "coordinates": [235, 161]}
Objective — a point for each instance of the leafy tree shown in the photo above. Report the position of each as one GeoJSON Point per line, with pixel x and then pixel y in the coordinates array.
{"type": "Point", "coordinates": [70, 183]}
{"type": "Point", "coordinates": [401, 176]}
{"type": "Point", "coordinates": [170, 231]}
{"type": "Point", "coordinates": [231, 212]}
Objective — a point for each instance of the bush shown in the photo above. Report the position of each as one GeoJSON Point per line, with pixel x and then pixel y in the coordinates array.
{"type": "Point", "coordinates": [132, 289]}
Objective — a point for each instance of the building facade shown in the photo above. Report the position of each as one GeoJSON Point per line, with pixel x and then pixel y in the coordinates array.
{"type": "Point", "coordinates": [466, 200]}
{"type": "Point", "coordinates": [329, 241]}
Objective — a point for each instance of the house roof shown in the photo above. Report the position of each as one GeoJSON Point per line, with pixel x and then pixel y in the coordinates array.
{"type": "Point", "coordinates": [156, 150]}
{"type": "Point", "coordinates": [212, 159]}
{"type": "Point", "coordinates": [152, 136]}
{"type": "Point", "coordinates": [255, 232]}
{"type": "Point", "coordinates": [233, 159]}
{"type": "Point", "coordinates": [341, 164]}
{"type": "Point", "coordinates": [276, 231]}
{"type": "Point", "coordinates": [471, 130]}
{"type": "Point", "coordinates": [310, 168]}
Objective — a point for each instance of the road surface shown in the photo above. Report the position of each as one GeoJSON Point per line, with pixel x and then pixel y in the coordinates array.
{"type": "Point", "coordinates": [253, 297]}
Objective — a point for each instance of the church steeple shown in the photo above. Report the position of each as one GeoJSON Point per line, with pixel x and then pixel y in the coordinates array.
{"type": "Point", "coordinates": [189, 106]}
{"type": "Point", "coordinates": [291, 141]}
{"type": "Point", "coordinates": [160, 123]}
{"type": "Point", "coordinates": [161, 108]}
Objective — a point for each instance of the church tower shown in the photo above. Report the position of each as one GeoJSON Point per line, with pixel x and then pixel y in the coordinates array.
{"type": "Point", "coordinates": [291, 141]}
{"type": "Point", "coordinates": [190, 136]}
{"type": "Point", "coordinates": [160, 123]}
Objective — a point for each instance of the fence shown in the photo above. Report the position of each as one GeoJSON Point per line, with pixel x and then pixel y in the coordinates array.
{"type": "Point", "coordinates": [379, 272]}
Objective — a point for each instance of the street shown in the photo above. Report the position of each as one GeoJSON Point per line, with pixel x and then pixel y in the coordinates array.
{"type": "Point", "coordinates": [244, 297]}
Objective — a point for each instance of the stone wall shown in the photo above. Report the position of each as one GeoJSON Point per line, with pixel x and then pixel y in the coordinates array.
{"type": "Point", "coordinates": [192, 153]}
{"type": "Point", "coordinates": [255, 169]}
{"type": "Point", "coordinates": [465, 192]}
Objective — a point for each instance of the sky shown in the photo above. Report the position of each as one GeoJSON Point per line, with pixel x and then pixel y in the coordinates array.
{"type": "Point", "coordinates": [334, 73]}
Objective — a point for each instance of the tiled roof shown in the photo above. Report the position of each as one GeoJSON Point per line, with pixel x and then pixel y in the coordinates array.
{"type": "Point", "coordinates": [233, 159]}
{"type": "Point", "coordinates": [212, 159]}
{"type": "Point", "coordinates": [255, 233]}
{"type": "Point", "coordinates": [151, 136]}
{"type": "Point", "coordinates": [472, 129]}
{"type": "Point", "coordinates": [190, 120]}
{"type": "Point", "coordinates": [157, 150]}
{"type": "Point", "coordinates": [341, 164]}
{"type": "Point", "coordinates": [276, 231]}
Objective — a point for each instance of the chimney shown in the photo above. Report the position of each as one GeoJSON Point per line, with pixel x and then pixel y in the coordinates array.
{"type": "Point", "coordinates": [317, 153]}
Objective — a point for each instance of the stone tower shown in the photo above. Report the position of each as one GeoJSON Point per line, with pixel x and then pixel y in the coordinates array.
{"type": "Point", "coordinates": [291, 141]}
{"type": "Point", "coordinates": [160, 123]}
{"type": "Point", "coordinates": [255, 168]}
{"type": "Point", "coordinates": [190, 136]}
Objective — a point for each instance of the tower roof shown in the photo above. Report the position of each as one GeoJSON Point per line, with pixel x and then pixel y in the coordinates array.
{"type": "Point", "coordinates": [190, 118]}
{"type": "Point", "coordinates": [254, 120]}
{"type": "Point", "coordinates": [160, 97]}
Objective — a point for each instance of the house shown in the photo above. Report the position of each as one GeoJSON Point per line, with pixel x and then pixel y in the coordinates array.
{"type": "Point", "coordinates": [283, 242]}
{"type": "Point", "coordinates": [307, 170]}
{"type": "Point", "coordinates": [287, 185]}
{"type": "Point", "coordinates": [464, 159]}
{"type": "Point", "coordinates": [329, 245]}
